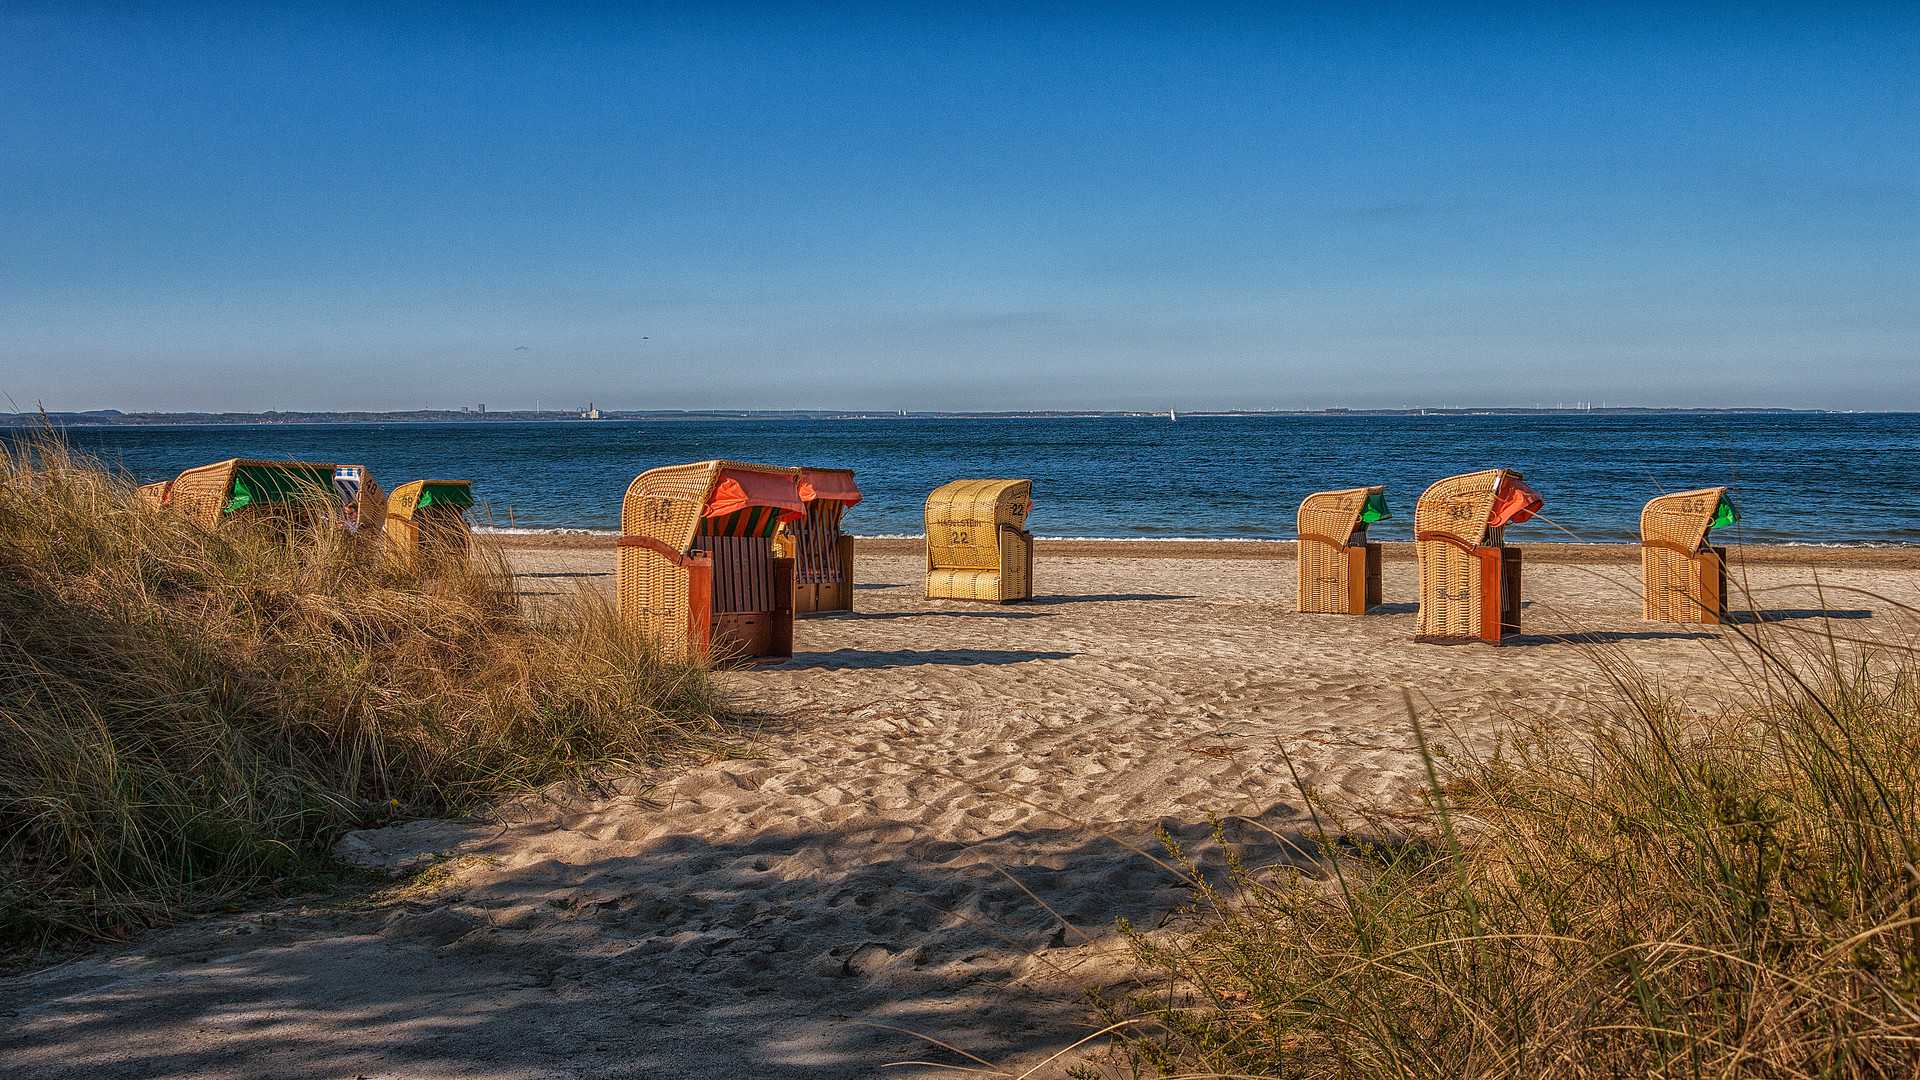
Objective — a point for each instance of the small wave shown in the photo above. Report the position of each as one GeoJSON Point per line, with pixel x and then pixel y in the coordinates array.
{"type": "Point", "coordinates": [498, 531]}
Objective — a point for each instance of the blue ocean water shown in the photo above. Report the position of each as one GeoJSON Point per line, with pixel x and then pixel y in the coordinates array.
{"type": "Point", "coordinates": [1801, 478]}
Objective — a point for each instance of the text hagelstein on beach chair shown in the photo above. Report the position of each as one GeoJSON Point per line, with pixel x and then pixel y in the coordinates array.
{"type": "Point", "coordinates": [1339, 570]}
{"type": "Point", "coordinates": [295, 491]}
{"type": "Point", "coordinates": [1684, 578]}
{"type": "Point", "coordinates": [822, 554]}
{"type": "Point", "coordinates": [427, 519]}
{"type": "Point", "coordinates": [1469, 578]}
{"type": "Point", "coordinates": [698, 571]}
{"type": "Point", "coordinates": [978, 547]}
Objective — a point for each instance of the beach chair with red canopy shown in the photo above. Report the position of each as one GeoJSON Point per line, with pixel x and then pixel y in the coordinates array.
{"type": "Point", "coordinates": [1469, 578]}
{"type": "Point", "coordinates": [698, 571]}
{"type": "Point", "coordinates": [822, 553]}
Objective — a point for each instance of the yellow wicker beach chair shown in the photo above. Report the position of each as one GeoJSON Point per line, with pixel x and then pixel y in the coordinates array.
{"type": "Point", "coordinates": [1685, 578]}
{"type": "Point", "coordinates": [698, 573]}
{"type": "Point", "coordinates": [1339, 569]}
{"type": "Point", "coordinates": [977, 545]}
{"type": "Point", "coordinates": [822, 554]}
{"type": "Point", "coordinates": [214, 493]}
{"type": "Point", "coordinates": [1469, 578]}
{"type": "Point", "coordinates": [427, 519]}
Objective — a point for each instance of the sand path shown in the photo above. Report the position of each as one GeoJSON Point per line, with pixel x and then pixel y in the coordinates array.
{"type": "Point", "coordinates": [871, 863]}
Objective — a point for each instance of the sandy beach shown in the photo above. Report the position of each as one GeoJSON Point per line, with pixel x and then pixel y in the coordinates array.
{"type": "Point", "coordinates": [932, 831]}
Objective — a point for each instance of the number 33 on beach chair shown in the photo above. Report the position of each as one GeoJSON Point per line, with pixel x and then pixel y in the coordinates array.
{"type": "Point", "coordinates": [1469, 578]}
{"type": "Point", "coordinates": [698, 573]}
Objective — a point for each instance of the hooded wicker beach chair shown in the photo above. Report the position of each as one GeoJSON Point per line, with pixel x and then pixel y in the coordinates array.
{"type": "Point", "coordinates": [214, 493]}
{"type": "Point", "coordinates": [427, 519]}
{"type": "Point", "coordinates": [978, 547]}
{"type": "Point", "coordinates": [363, 506]}
{"type": "Point", "coordinates": [1339, 569]}
{"type": "Point", "coordinates": [1685, 577]}
{"type": "Point", "coordinates": [822, 554]}
{"type": "Point", "coordinates": [1469, 578]}
{"type": "Point", "coordinates": [698, 572]}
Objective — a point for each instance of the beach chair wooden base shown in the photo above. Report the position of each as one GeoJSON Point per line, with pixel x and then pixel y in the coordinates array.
{"type": "Point", "coordinates": [828, 597]}
{"type": "Point", "coordinates": [1011, 583]}
{"type": "Point", "coordinates": [1685, 587]}
{"type": "Point", "coordinates": [1351, 591]}
{"type": "Point", "coordinates": [1491, 599]}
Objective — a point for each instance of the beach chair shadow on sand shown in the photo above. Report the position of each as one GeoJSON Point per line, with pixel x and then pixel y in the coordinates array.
{"type": "Point", "coordinates": [1103, 598]}
{"type": "Point", "coordinates": [841, 659]}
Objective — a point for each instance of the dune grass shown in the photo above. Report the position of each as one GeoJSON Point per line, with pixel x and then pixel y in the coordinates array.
{"type": "Point", "coordinates": [1670, 892]}
{"type": "Point", "coordinates": [186, 716]}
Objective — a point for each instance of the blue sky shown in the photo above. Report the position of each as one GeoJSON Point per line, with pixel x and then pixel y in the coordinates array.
{"type": "Point", "coordinates": [959, 206]}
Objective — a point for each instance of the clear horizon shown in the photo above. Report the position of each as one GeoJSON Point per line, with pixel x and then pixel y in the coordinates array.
{"type": "Point", "coordinates": [958, 208]}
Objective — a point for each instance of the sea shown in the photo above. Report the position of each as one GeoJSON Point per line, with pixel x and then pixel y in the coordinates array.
{"type": "Point", "coordinates": [1803, 478]}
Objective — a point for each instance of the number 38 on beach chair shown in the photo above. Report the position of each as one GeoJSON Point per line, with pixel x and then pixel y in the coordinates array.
{"type": "Point", "coordinates": [427, 519]}
{"type": "Point", "coordinates": [1469, 578]}
{"type": "Point", "coordinates": [698, 573]}
{"type": "Point", "coordinates": [1684, 577]}
{"type": "Point", "coordinates": [822, 554]}
{"type": "Point", "coordinates": [1339, 569]}
{"type": "Point", "coordinates": [239, 489]}
{"type": "Point", "coordinates": [977, 545]}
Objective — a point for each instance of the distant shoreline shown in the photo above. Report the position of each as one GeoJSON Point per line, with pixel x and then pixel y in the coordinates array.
{"type": "Point", "coordinates": [115, 418]}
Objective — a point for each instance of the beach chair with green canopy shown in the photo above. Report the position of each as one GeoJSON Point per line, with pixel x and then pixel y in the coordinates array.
{"type": "Point", "coordinates": [211, 494]}
{"type": "Point", "coordinates": [1684, 578]}
{"type": "Point", "coordinates": [427, 519]}
{"type": "Point", "coordinates": [1339, 570]}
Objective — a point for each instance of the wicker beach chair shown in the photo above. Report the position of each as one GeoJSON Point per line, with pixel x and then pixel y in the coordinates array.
{"type": "Point", "coordinates": [698, 572]}
{"type": "Point", "coordinates": [822, 554]}
{"type": "Point", "coordinates": [1469, 578]}
{"type": "Point", "coordinates": [977, 545]}
{"type": "Point", "coordinates": [363, 506]}
{"type": "Point", "coordinates": [1339, 569]}
{"type": "Point", "coordinates": [1685, 577]}
{"type": "Point", "coordinates": [214, 493]}
{"type": "Point", "coordinates": [427, 519]}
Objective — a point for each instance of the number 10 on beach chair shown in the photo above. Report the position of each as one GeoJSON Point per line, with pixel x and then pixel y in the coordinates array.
{"type": "Point", "coordinates": [698, 573]}
{"type": "Point", "coordinates": [977, 545]}
{"type": "Point", "coordinates": [1469, 578]}
{"type": "Point", "coordinates": [1684, 577]}
{"type": "Point", "coordinates": [1339, 569]}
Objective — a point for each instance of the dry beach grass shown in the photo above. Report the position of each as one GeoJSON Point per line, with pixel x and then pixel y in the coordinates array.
{"type": "Point", "coordinates": [188, 715]}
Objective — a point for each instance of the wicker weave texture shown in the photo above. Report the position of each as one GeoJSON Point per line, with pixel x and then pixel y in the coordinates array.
{"type": "Point", "coordinates": [1450, 527]}
{"type": "Point", "coordinates": [668, 505]}
{"type": "Point", "coordinates": [1329, 522]}
{"type": "Point", "coordinates": [438, 530]}
{"type": "Point", "coordinates": [977, 546]}
{"type": "Point", "coordinates": [1683, 579]}
{"type": "Point", "coordinates": [201, 493]}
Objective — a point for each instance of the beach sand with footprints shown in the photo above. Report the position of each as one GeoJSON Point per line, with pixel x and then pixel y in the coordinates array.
{"type": "Point", "coordinates": [930, 835]}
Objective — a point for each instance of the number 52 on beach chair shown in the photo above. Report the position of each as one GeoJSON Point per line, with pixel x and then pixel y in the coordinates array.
{"type": "Point", "coordinates": [698, 574]}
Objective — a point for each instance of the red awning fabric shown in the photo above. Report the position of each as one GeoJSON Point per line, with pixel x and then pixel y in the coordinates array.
{"type": "Point", "coordinates": [738, 490]}
{"type": "Point", "coordinates": [1514, 503]}
{"type": "Point", "coordinates": [835, 486]}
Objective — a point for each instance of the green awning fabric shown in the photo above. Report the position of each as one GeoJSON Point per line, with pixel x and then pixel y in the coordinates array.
{"type": "Point", "coordinates": [1724, 514]}
{"type": "Point", "coordinates": [452, 496]}
{"type": "Point", "coordinates": [1376, 508]}
{"type": "Point", "coordinates": [270, 484]}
